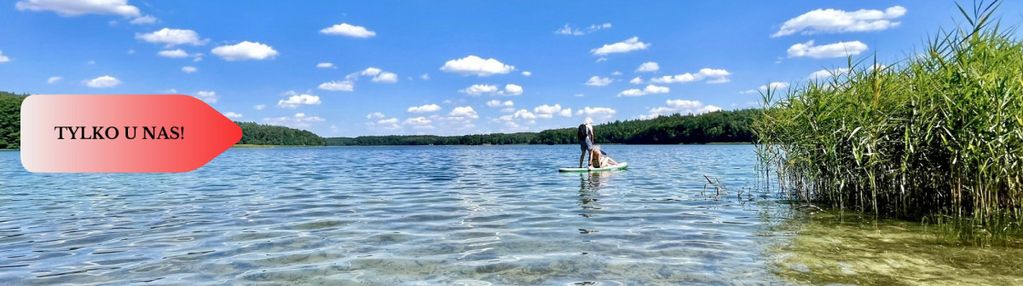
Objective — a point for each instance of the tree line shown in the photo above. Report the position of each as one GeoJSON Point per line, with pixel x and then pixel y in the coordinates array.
{"type": "Point", "coordinates": [10, 119]}
{"type": "Point", "coordinates": [713, 127]}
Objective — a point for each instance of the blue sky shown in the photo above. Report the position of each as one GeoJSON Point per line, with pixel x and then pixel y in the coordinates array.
{"type": "Point", "coordinates": [451, 67]}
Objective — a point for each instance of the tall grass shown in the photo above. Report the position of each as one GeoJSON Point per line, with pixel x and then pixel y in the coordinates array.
{"type": "Point", "coordinates": [937, 135]}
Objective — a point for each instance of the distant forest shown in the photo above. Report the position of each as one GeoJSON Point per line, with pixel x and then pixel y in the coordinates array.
{"type": "Point", "coordinates": [10, 119]}
{"type": "Point", "coordinates": [721, 126]}
{"type": "Point", "coordinates": [262, 134]}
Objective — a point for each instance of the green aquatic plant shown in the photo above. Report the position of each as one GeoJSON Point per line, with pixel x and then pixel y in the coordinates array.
{"type": "Point", "coordinates": [938, 135]}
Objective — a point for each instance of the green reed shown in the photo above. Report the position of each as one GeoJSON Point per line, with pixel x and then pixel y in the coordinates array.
{"type": "Point", "coordinates": [937, 135]}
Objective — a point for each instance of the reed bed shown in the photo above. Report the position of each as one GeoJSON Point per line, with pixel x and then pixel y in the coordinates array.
{"type": "Point", "coordinates": [938, 136]}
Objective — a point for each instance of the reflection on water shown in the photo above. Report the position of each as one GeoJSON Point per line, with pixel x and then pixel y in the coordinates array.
{"type": "Point", "coordinates": [439, 215]}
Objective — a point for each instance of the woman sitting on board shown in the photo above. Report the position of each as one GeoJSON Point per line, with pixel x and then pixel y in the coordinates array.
{"type": "Point", "coordinates": [586, 138]}
{"type": "Point", "coordinates": [599, 159]}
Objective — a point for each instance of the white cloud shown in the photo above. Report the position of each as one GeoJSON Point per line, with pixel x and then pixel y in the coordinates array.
{"type": "Point", "coordinates": [478, 89]}
{"type": "Point", "coordinates": [175, 53]}
{"type": "Point", "coordinates": [244, 51]}
{"type": "Point", "coordinates": [840, 21]}
{"type": "Point", "coordinates": [498, 103]}
{"type": "Point", "coordinates": [834, 50]}
{"type": "Point", "coordinates": [424, 108]}
{"type": "Point", "coordinates": [296, 99]}
{"type": "Point", "coordinates": [463, 112]}
{"type": "Point", "coordinates": [386, 77]}
{"type": "Point", "coordinates": [648, 67]}
{"type": "Point", "coordinates": [419, 122]}
{"type": "Point", "coordinates": [826, 74]}
{"type": "Point", "coordinates": [548, 111]}
{"type": "Point", "coordinates": [572, 31]}
{"type": "Point", "coordinates": [566, 112]}
{"type": "Point", "coordinates": [54, 79]}
{"type": "Point", "coordinates": [143, 20]}
{"type": "Point", "coordinates": [774, 85]}
{"type": "Point", "coordinates": [325, 65]}
{"type": "Point", "coordinates": [649, 89]}
{"type": "Point", "coordinates": [375, 115]}
{"type": "Point", "coordinates": [527, 73]}
{"type": "Point", "coordinates": [259, 106]}
{"type": "Point", "coordinates": [599, 81]}
{"type": "Point", "coordinates": [348, 30]}
{"type": "Point", "coordinates": [207, 96]}
{"type": "Point", "coordinates": [3, 58]}
{"type": "Point", "coordinates": [512, 89]}
{"type": "Point", "coordinates": [172, 37]}
{"type": "Point", "coordinates": [473, 65]}
{"type": "Point", "coordinates": [636, 80]}
{"type": "Point", "coordinates": [233, 115]}
{"type": "Point", "coordinates": [522, 114]}
{"type": "Point", "coordinates": [189, 69]}
{"type": "Point", "coordinates": [681, 106]}
{"type": "Point", "coordinates": [105, 81]}
{"type": "Point", "coordinates": [344, 85]}
{"type": "Point", "coordinates": [299, 120]}
{"type": "Point", "coordinates": [629, 45]}
{"type": "Point", "coordinates": [598, 112]}
{"type": "Point", "coordinates": [424, 76]}
{"type": "Point", "coordinates": [69, 8]}
{"type": "Point", "coordinates": [708, 74]}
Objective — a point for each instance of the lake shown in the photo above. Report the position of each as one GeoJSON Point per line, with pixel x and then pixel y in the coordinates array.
{"type": "Point", "coordinates": [471, 215]}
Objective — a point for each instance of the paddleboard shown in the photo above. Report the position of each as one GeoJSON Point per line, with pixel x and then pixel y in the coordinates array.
{"type": "Point", "coordinates": [620, 166]}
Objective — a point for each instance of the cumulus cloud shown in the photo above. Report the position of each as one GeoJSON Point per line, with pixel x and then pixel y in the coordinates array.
{"type": "Point", "coordinates": [143, 20]}
{"type": "Point", "coordinates": [105, 81]}
{"type": "Point", "coordinates": [424, 108]}
{"type": "Point", "coordinates": [232, 115]}
{"type": "Point", "coordinates": [833, 50]}
{"type": "Point", "coordinates": [68, 8]}
{"type": "Point", "coordinates": [599, 81]}
{"type": "Point", "coordinates": [840, 21]}
{"type": "Point", "coordinates": [386, 77]}
{"type": "Point", "coordinates": [512, 89]}
{"type": "Point", "coordinates": [189, 69]}
{"type": "Point", "coordinates": [474, 65]}
{"type": "Point", "coordinates": [568, 30]}
{"type": "Point", "coordinates": [3, 58]}
{"type": "Point", "coordinates": [648, 67]}
{"type": "Point", "coordinates": [527, 73]}
{"type": "Point", "coordinates": [207, 96]}
{"type": "Point", "coordinates": [708, 74]}
{"type": "Point", "coordinates": [523, 114]}
{"type": "Point", "coordinates": [649, 89]}
{"type": "Point", "coordinates": [344, 85]}
{"type": "Point", "coordinates": [348, 30]}
{"type": "Point", "coordinates": [826, 74]}
{"type": "Point", "coordinates": [259, 106]}
{"type": "Point", "coordinates": [681, 106]}
{"type": "Point", "coordinates": [498, 103]}
{"type": "Point", "coordinates": [629, 45]}
{"type": "Point", "coordinates": [172, 37]}
{"type": "Point", "coordinates": [296, 99]}
{"type": "Point", "coordinates": [463, 112]}
{"type": "Point", "coordinates": [478, 89]}
{"type": "Point", "coordinates": [245, 51]}
{"type": "Point", "coordinates": [375, 115]}
{"type": "Point", "coordinates": [299, 120]}
{"type": "Point", "coordinates": [325, 65]}
{"type": "Point", "coordinates": [549, 111]}
{"type": "Point", "coordinates": [175, 53]}
{"type": "Point", "coordinates": [636, 80]}
{"type": "Point", "coordinates": [54, 79]}
{"type": "Point", "coordinates": [419, 122]}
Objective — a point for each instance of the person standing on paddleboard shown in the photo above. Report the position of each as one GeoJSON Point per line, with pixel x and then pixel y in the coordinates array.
{"type": "Point", "coordinates": [586, 138]}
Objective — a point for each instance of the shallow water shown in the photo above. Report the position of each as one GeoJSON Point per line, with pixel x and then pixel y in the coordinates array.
{"type": "Point", "coordinates": [406, 215]}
